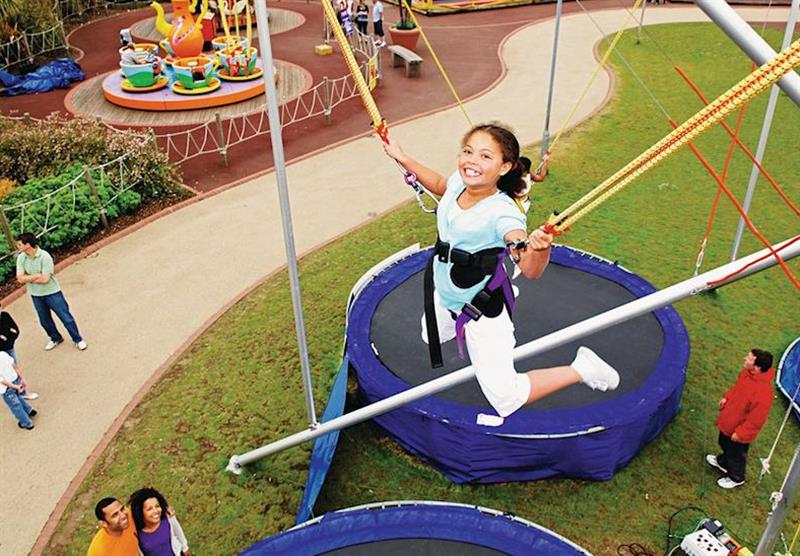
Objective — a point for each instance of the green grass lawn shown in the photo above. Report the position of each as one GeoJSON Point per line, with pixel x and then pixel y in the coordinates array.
{"type": "Point", "coordinates": [239, 385]}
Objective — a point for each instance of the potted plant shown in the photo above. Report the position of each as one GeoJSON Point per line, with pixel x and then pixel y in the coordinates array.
{"type": "Point", "coordinates": [405, 32]}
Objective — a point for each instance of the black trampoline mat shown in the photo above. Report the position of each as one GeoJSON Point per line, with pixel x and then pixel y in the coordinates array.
{"type": "Point", "coordinates": [561, 297]}
{"type": "Point", "coordinates": [415, 547]}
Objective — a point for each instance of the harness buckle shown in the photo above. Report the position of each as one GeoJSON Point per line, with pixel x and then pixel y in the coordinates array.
{"type": "Point", "coordinates": [443, 251]}
{"type": "Point", "coordinates": [471, 311]}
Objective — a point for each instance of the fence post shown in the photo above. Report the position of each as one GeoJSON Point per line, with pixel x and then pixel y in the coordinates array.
{"type": "Point", "coordinates": [154, 140]}
{"type": "Point", "coordinates": [223, 149]}
{"type": "Point", "coordinates": [12, 243]}
{"type": "Point", "coordinates": [95, 196]}
{"type": "Point", "coordinates": [28, 119]}
{"type": "Point", "coordinates": [327, 108]}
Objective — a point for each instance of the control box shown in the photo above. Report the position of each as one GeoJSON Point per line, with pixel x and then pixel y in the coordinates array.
{"type": "Point", "coordinates": [703, 543]}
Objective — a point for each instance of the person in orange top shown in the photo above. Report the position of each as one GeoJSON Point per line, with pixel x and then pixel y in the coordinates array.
{"type": "Point", "coordinates": [743, 410]}
{"type": "Point", "coordinates": [117, 536]}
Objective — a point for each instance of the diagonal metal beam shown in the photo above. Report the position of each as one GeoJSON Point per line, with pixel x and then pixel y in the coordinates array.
{"type": "Point", "coordinates": [746, 38]}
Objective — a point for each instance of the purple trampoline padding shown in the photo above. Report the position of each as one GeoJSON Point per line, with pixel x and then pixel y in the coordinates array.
{"type": "Point", "coordinates": [590, 441]}
{"type": "Point", "coordinates": [468, 526]}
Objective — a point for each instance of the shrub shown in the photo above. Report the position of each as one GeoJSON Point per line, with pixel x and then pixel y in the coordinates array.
{"type": "Point", "coordinates": [6, 187]}
{"type": "Point", "coordinates": [25, 15]}
{"type": "Point", "coordinates": [46, 148]}
{"type": "Point", "coordinates": [65, 203]}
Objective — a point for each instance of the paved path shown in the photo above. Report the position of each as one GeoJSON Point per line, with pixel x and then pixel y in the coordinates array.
{"type": "Point", "coordinates": [138, 299]}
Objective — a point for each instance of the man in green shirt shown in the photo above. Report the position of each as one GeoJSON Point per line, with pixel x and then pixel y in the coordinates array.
{"type": "Point", "coordinates": [35, 269]}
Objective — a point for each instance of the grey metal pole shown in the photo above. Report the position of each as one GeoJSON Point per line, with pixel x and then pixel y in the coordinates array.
{"type": "Point", "coordinates": [748, 40]}
{"type": "Point", "coordinates": [546, 132]}
{"type": "Point", "coordinates": [765, 128]}
{"type": "Point", "coordinates": [781, 505]}
{"type": "Point", "coordinates": [641, 22]}
{"type": "Point", "coordinates": [283, 193]}
{"type": "Point", "coordinates": [576, 331]}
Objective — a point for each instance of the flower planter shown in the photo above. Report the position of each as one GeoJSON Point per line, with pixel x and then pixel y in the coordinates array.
{"type": "Point", "coordinates": [404, 37]}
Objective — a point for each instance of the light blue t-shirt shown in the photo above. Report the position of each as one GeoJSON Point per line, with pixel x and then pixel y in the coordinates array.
{"type": "Point", "coordinates": [480, 227]}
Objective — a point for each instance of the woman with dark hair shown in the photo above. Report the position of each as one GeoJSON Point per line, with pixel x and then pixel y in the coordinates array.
{"type": "Point", "coordinates": [469, 297]}
{"type": "Point", "coordinates": [159, 533]}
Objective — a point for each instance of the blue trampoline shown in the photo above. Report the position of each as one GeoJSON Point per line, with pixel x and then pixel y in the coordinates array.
{"type": "Point", "coordinates": [419, 528]}
{"type": "Point", "coordinates": [789, 375]}
{"type": "Point", "coordinates": [576, 432]}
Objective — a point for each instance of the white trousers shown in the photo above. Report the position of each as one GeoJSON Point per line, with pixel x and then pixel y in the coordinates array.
{"type": "Point", "coordinates": [490, 344]}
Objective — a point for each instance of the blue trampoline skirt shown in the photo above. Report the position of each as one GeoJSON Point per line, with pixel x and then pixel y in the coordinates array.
{"type": "Point", "coordinates": [789, 375]}
{"type": "Point", "coordinates": [576, 432]}
{"type": "Point", "coordinates": [420, 528]}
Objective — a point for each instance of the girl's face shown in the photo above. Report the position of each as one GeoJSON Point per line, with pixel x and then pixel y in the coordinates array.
{"type": "Point", "coordinates": [151, 511]}
{"type": "Point", "coordinates": [480, 161]}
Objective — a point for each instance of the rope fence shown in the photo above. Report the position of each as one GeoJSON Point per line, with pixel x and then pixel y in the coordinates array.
{"type": "Point", "coordinates": [27, 45]}
{"type": "Point", "coordinates": [40, 216]}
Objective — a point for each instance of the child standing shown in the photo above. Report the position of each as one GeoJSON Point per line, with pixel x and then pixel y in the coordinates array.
{"type": "Point", "coordinates": [362, 17]}
{"type": "Point", "coordinates": [12, 385]}
{"type": "Point", "coordinates": [377, 22]}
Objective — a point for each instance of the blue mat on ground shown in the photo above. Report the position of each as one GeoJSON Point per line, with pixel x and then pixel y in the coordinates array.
{"type": "Point", "coordinates": [789, 375]}
{"type": "Point", "coordinates": [324, 446]}
{"type": "Point", "coordinates": [58, 74]}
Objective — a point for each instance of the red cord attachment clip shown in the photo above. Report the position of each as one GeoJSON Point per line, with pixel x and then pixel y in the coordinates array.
{"type": "Point", "coordinates": [383, 131]}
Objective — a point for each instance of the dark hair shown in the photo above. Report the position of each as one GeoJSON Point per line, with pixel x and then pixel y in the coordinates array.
{"type": "Point", "coordinates": [763, 359]}
{"type": "Point", "coordinates": [28, 238]}
{"type": "Point", "coordinates": [526, 163]}
{"type": "Point", "coordinates": [137, 505]}
{"type": "Point", "coordinates": [511, 183]}
{"type": "Point", "coordinates": [102, 505]}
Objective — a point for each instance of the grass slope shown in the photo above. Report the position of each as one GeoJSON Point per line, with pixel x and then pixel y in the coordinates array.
{"type": "Point", "coordinates": [239, 385]}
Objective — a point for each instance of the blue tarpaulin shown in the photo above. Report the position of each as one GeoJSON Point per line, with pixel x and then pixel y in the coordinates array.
{"type": "Point", "coordinates": [325, 446]}
{"type": "Point", "coordinates": [58, 74]}
{"type": "Point", "coordinates": [789, 375]}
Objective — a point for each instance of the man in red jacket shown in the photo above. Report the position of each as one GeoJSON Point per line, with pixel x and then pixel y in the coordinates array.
{"type": "Point", "coordinates": [743, 410]}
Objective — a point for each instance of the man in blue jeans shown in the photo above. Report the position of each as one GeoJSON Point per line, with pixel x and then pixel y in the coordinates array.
{"type": "Point", "coordinates": [35, 269]}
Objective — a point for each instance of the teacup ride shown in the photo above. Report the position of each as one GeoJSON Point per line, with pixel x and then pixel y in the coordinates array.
{"type": "Point", "coordinates": [169, 53]}
{"type": "Point", "coordinates": [195, 76]}
{"type": "Point", "coordinates": [142, 69]}
{"type": "Point", "coordinates": [222, 42]}
{"type": "Point", "coordinates": [239, 64]}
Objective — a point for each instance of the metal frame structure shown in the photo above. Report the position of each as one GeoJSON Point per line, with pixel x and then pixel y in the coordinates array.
{"type": "Point", "coordinates": [720, 276]}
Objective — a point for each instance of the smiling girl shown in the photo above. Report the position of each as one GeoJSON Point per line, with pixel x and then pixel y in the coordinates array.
{"type": "Point", "coordinates": [468, 294]}
{"type": "Point", "coordinates": [159, 533]}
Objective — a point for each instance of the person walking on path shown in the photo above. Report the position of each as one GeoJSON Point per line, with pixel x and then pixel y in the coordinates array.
{"type": "Point", "coordinates": [116, 536]}
{"type": "Point", "coordinates": [377, 22]}
{"type": "Point", "coordinates": [35, 269]}
{"type": "Point", "coordinates": [11, 387]}
{"type": "Point", "coordinates": [743, 411]}
{"type": "Point", "coordinates": [9, 332]}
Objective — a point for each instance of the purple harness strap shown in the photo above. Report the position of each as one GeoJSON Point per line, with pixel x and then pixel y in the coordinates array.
{"type": "Point", "coordinates": [469, 312]}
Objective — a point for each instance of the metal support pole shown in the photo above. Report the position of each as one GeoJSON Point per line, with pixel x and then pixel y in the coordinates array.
{"type": "Point", "coordinates": [641, 22]}
{"type": "Point", "coordinates": [326, 100]}
{"type": "Point", "coordinates": [574, 332]}
{"type": "Point", "coordinates": [546, 132]}
{"type": "Point", "coordinates": [740, 32]}
{"type": "Point", "coordinates": [223, 148]}
{"type": "Point", "coordinates": [265, 46]}
{"type": "Point", "coordinates": [782, 502]}
{"type": "Point", "coordinates": [762, 141]}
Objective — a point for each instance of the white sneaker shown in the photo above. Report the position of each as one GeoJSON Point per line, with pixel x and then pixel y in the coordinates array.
{"type": "Point", "coordinates": [30, 396]}
{"type": "Point", "coordinates": [727, 482]}
{"type": "Point", "coordinates": [383, 43]}
{"type": "Point", "coordinates": [82, 345]}
{"type": "Point", "coordinates": [595, 373]}
{"type": "Point", "coordinates": [712, 461]}
{"type": "Point", "coordinates": [52, 345]}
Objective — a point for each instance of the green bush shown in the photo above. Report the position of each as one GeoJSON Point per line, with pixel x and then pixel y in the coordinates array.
{"type": "Point", "coordinates": [25, 15]}
{"type": "Point", "coordinates": [46, 148]}
{"type": "Point", "coordinates": [71, 213]}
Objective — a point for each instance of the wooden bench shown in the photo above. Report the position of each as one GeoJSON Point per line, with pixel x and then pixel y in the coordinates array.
{"type": "Point", "coordinates": [402, 55]}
